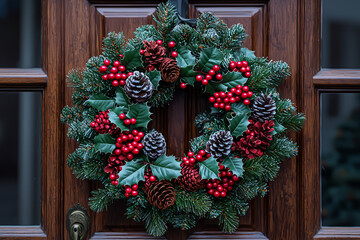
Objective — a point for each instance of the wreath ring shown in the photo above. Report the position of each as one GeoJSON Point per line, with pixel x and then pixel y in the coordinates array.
{"type": "Point", "coordinates": [243, 137]}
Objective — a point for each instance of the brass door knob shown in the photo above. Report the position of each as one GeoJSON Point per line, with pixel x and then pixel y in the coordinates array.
{"type": "Point", "coordinates": [78, 222]}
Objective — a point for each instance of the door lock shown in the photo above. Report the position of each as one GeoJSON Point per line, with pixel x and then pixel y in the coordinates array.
{"type": "Point", "coordinates": [78, 222]}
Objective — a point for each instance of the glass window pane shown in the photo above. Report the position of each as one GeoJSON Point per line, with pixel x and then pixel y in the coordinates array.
{"type": "Point", "coordinates": [340, 34]}
{"type": "Point", "coordinates": [20, 158]}
{"type": "Point", "coordinates": [20, 25]}
{"type": "Point", "coordinates": [340, 158]}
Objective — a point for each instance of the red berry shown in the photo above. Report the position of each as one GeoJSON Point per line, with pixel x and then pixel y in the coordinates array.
{"type": "Point", "coordinates": [215, 185]}
{"type": "Point", "coordinates": [216, 194]}
{"type": "Point", "coordinates": [118, 76]}
{"type": "Point", "coordinates": [112, 177]}
{"type": "Point", "coordinates": [245, 88]}
{"type": "Point", "coordinates": [227, 108]}
{"type": "Point", "coordinates": [212, 72]}
{"type": "Point", "coordinates": [219, 77]}
{"type": "Point", "coordinates": [105, 77]}
{"type": "Point", "coordinates": [202, 152]}
{"type": "Point", "coordinates": [127, 122]}
{"type": "Point", "coordinates": [211, 191]}
{"type": "Point", "coordinates": [103, 68]}
{"type": "Point", "coordinates": [248, 69]}
{"type": "Point", "coordinates": [141, 134]}
{"type": "Point", "coordinates": [247, 132]}
{"type": "Point", "coordinates": [216, 68]}
{"type": "Point", "coordinates": [245, 63]}
{"type": "Point", "coordinates": [187, 162]}
{"type": "Point", "coordinates": [113, 70]}
{"type": "Point", "coordinates": [229, 173]}
{"type": "Point", "coordinates": [130, 136]}
{"type": "Point", "coordinates": [244, 95]}
{"type": "Point", "coordinates": [232, 100]}
{"type": "Point", "coordinates": [208, 77]}
{"type": "Point", "coordinates": [243, 69]}
{"type": "Point", "coordinates": [183, 85]}
{"type": "Point", "coordinates": [122, 116]}
{"type": "Point", "coordinates": [111, 76]}
{"type": "Point", "coordinates": [159, 42]}
{"type": "Point", "coordinates": [152, 178]}
{"type": "Point", "coordinates": [171, 44]}
{"type": "Point", "coordinates": [223, 194]}
{"type": "Point", "coordinates": [204, 82]}
{"type": "Point", "coordinates": [216, 105]}
{"type": "Point", "coordinates": [222, 95]}
{"type": "Point", "coordinates": [198, 157]}
{"type": "Point", "coordinates": [151, 68]}
{"type": "Point", "coordinates": [239, 64]}
{"type": "Point", "coordinates": [229, 188]}
{"type": "Point", "coordinates": [134, 193]}
{"type": "Point", "coordinates": [135, 132]}
{"type": "Point", "coordinates": [220, 188]}
{"type": "Point", "coordinates": [128, 190]}
{"type": "Point", "coordinates": [117, 151]}
{"type": "Point", "coordinates": [136, 138]}
{"type": "Point", "coordinates": [116, 182]}
{"type": "Point", "coordinates": [127, 195]}
{"type": "Point", "coordinates": [226, 100]}
{"type": "Point", "coordinates": [222, 105]}
{"type": "Point", "coordinates": [231, 182]}
{"type": "Point", "coordinates": [107, 62]}
{"type": "Point", "coordinates": [115, 83]}
{"type": "Point", "coordinates": [121, 56]}
{"type": "Point", "coordinates": [190, 154]}
{"type": "Point", "coordinates": [142, 51]}
{"type": "Point", "coordinates": [185, 159]}
{"type": "Point", "coordinates": [235, 178]}
{"type": "Point", "coordinates": [192, 160]}
{"type": "Point", "coordinates": [221, 167]}
{"type": "Point", "coordinates": [140, 146]}
{"type": "Point", "coordinates": [211, 99]}
{"type": "Point", "coordinates": [135, 151]}
{"type": "Point", "coordinates": [130, 156]}
{"type": "Point", "coordinates": [249, 93]}
{"type": "Point", "coordinates": [232, 65]}
{"type": "Point", "coordinates": [135, 187]}
{"type": "Point", "coordinates": [174, 54]}
{"type": "Point", "coordinates": [208, 185]}
{"type": "Point", "coordinates": [246, 102]}
{"type": "Point", "coordinates": [124, 138]}
{"type": "Point", "coordinates": [130, 73]}
{"type": "Point", "coordinates": [122, 68]}
{"type": "Point", "coordinates": [133, 121]}
{"type": "Point", "coordinates": [216, 95]}
{"type": "Point", "coordinates": [92, 124]}
{"type": "Point", "coordinates": [237, 98]}
{"type": "Point", "coordinates": [233, 90]}
{"type": "Point", "coordinates": [223, 174]}
{"type": "Point", "coordinates": [123, 76]}
{"type": "Point", "coordinates": [116, 64]}
{"type": "Point", "coordinates": [199, 78]}
{"type": "Point", "coordinates": [122, 82]}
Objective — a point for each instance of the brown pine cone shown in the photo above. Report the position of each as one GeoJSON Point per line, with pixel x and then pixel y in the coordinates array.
{"type": "Point", "coordinates": [170, 71]}
{"type": "Point", "coordinates": [264, 108]}
{"type": "Point", "coordinates": [154, 53]}
{"type": "Point", "coordinates": [190, 178]}
{"type": "Point", "coordinates": [161, 194]}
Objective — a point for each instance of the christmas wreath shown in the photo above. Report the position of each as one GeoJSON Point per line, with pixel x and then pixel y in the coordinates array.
{"type": "Point", "coordinates": [243, 137]}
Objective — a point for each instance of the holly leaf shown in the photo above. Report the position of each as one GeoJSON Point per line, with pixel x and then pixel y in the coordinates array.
{"type": "Point", "coordinates": [141, 112]}
{"type": "Point", "coordinates": [166, 167]}
{"type": "Point", "coordinates": [114, 118]}
{"type": "Point", "coordinates": [121, 98]}
{"type": "Point", "coordinates": [247, 53]}
{"type": "Point", "coordinates": [278, 128]}
{"type": "Point", "coordinates": [132, 172]}
{"type": "Point", "coordinates": [240, 108]}
{"type": "Point", "coordinates": [155, 78]}
{"type": "Point", "coordinates": [232, 79]}
{"type": "Point", "coordinates": [238, 124]}
{"type": "Point", "coordinates": [209, 169]}
{"type": "Point", "coordinates": [235, 165]}
{"type": "Point", "coordinates": [188, 75]}
{"type": "Point", "coordinates": [104, 143]}
{"type": "Point", "coordinates": [184, 58]}
{"type": "Point", "coordinates": [208, 58]}
{"type": "Point", "coordinates": [100, 102]}
{"type": "Point", "coordinates": [132, 59]}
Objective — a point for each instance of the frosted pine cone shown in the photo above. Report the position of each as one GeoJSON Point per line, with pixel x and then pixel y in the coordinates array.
{"type": "Point", "coordinates": [219, 144]}
{"type": "Point", "coordinates": [138, 87]}
{"type": "Point", "coordinates": [154, 145]}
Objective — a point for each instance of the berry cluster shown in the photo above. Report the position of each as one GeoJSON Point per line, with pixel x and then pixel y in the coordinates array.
{"type": "Point", "coordinates": [114, 167]}
{"type": "Point", "coordinates": [192, 158]}
{"type": "Point", "coordinates": [224, 100]}
{"type": "Point", "coordinates": [149, 177]}
{"type": "Point", "coordinates": [242, 67]}
{"type": "Point", "coordinates": [103, 125]}
{"type": "Point", "coordinates": [128, 144]}
{"type": "Point", "coordinates": [220, 187]}
{"type": "Point", "coordinates": [210, 76]}
{"type": "Point", "coordinates": [116, 72]}
{"type": "Point", "coordinates": [131, 191]}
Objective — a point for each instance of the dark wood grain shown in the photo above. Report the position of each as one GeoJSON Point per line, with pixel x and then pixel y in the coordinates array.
{"type": "Point", "coordinates": [14, 77]}
{"type": "Point", "coordinates": [340, 78]}
{"type": "Point", "coordinates": [23, 232]}
{"type": "Point", "coordinates": [326, 233]}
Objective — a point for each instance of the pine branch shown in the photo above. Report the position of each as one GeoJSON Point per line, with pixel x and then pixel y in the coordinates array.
{"type": "Point", "coordinates": [279, 71]}
{"type": "Point", "coordinates": [198, 143]}
{"type": "Point", "coordinates": [228, 217]}
{"type": "Point", "coordinates": [146, 32]}
{"type": "Point", "coordinates": [234, 37]}
{"type": "Point", "coordinates": [102, 198]}
{"type": "Point", "coordinates": [155, 222]}
{"type": "Point", "coordinates": [198, 203]}
{"type": "Point", "coordinates": [113, 45]}
{"type": "Point", "coordinates": [165, 18]}
{"type": "Point", "coordinates": [184, 221]}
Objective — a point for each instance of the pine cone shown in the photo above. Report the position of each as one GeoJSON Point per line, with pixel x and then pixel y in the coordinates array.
{"type": "Point", "coordinates": [263, 109]}
{"type": "Point", "coordinates": [190, 178]}
{"type": "Point", "coordinates": [251, 146]}
{"type": "Point", "coordinates": [154, 53]}
{"type": "Point", "coordinates": [154, 145]}
{"type": "Point", "coordinates": [170, 71]}
{"type": "Point", "coordinates": [161, 194]}
{"type": "Point", "coordinates": [138, 87]}
{"type": "Point", "coordinates": [219, 144]}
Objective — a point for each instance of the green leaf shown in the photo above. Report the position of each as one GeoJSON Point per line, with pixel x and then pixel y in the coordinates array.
{"type": "Point", "coordinates": [209, 169]}
{"type": "Point", "coordinates": [166, 167]}
{"type": "Point", "coordinates": [100, 102]}
{"type": "Point", "coordinates": [155, 78]}
{"type": "Point", "coordinates": [141, 112]}
{"type": "Point", "coordinates": [132, 59]}
{"type": "Point", "coordinates": [240, 108]}
{"type": "Point", "coordinates": [213, 87]}
{"type": "Point", "coordinates": [184, 58]}
{"type": "Point", "coordinates": [235, 165]}
{"type": "Point", "coordinates": [232, 79]}
{"type": "Point", "coordinates": [114, 118]}
{"type": "Point", "coordinates": [188, 75]}
{"type": "Point", "coordinates": [104, 143]}
{"type": "Point", "coordinates": [238, 124]}
{"type": "Point", "coordinates": [278, 128]}
{"type": "Point", "coordinates": [121, 98]}
{"type": "Point", "coordinates": [247, 53]}
{"type": "Point", "coordinates": [132, 172]}
{"type": "Point", "coordinates": [208, 58]}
